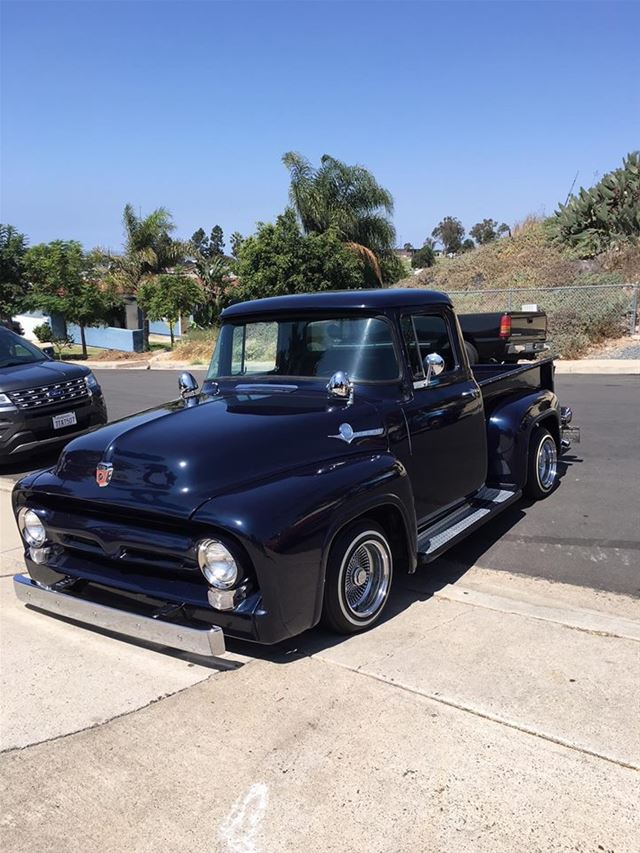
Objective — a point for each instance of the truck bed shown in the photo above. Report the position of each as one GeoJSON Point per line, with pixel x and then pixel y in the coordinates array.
{"type": "Point", "coordinates": [499, 380]}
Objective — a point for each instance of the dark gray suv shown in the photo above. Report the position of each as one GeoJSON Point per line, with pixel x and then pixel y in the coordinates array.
{"type": "Point", "coordinates": [42, 402]}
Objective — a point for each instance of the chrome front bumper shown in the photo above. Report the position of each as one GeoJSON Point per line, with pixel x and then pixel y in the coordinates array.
{"type": "Point", "coordinates": [199, 641]}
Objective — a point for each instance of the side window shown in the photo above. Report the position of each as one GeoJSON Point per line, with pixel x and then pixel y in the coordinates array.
{"type": "Point", "coordinates": [253, 349]}
{"type": "Point", "coordinates": [424, 334]}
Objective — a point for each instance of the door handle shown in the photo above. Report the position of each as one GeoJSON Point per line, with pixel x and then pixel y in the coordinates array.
{"type": "Point", "coordinates": [473, 393]}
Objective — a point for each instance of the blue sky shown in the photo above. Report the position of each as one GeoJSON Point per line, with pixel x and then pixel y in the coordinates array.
{"type": "Point", "coordinates": [465, 109]}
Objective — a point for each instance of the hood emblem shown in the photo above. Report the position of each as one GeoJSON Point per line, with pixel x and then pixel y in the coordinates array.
{"type": "Point", "coordinates": [348, 434]}
{"type": "Point", "coordinates": [104, 472]}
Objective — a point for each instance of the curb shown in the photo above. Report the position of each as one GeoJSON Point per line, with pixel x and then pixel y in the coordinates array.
{"type": "Point", "coordinates": [579, 618]}
{"type": "Point", "coordinates": [611, 366]}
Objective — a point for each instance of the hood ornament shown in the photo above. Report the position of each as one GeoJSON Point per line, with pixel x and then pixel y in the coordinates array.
{"type": "Point", "coordinates": [347, 433]}
{"type": "Point", "coordinates": [104, 472]}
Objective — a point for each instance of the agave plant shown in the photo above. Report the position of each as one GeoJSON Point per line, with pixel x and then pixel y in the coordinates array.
{"type": "Point", "coordinates": [605, 215]}
{"type": "Point", "coordinates": [347, 199]}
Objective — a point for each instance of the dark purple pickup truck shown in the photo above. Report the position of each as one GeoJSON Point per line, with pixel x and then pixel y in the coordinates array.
{"type": "Point", "coordinates": [339, 439]}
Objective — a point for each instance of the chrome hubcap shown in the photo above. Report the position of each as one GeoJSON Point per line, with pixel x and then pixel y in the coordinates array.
{"type": "Point", "coordinates": [547, 463]}
{"type": "Point", "coordinates": [367, 578]}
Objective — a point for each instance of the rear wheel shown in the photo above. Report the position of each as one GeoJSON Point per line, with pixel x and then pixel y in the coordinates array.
{"type": "Point", "coordinates": [358, 581]}
{"type": "Point", "coordinates": [542, 474]}
{"type": "Point", "coordinates": [472, 353]}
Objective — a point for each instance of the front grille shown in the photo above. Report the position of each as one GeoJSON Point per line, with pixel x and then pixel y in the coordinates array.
{"type": "Point", "coordinates": [71, 390]}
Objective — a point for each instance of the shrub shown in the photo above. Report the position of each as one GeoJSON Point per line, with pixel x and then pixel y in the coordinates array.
{"type": "Point", "coordinates": [424, 257]}
{"type": "Point", "coordinates": [43, 333]}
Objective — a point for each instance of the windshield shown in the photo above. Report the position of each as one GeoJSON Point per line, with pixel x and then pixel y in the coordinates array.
{"type": "Point", "coordinates": [307, 347]}
{"type": "Point", "coordinates": [14, 350]}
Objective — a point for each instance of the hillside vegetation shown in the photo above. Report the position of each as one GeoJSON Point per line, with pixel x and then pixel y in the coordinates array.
{"type": "Point", "coordinates": [532, 261]}
{"type": "Point", "coordinates": [528, 259]}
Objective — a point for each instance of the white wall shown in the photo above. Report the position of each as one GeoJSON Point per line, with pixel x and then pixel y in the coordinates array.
{"type": "Point", "coordinates": [30, 320]}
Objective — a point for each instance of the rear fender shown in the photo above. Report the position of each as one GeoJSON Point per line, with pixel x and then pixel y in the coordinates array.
{"type": "Point", "coordinates": [509, 430]}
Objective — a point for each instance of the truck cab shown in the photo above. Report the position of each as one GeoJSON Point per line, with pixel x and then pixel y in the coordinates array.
{"type": "Point", "coordinates": [338, 439]}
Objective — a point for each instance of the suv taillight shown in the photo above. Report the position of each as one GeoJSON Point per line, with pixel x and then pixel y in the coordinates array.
{"type": "Point", "coordinates": [505, 326]}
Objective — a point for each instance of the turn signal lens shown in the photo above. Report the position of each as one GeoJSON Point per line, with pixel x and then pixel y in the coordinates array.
{"type": "Point", "coordinates": [31, 528]}
{"type": "Point", "coordinates": [217, 564]}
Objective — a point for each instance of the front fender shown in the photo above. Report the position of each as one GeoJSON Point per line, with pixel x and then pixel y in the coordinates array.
{"type": "Point", "coordinates": [287, 525]}
{"type": "Point", "coordinates": [509, 429]}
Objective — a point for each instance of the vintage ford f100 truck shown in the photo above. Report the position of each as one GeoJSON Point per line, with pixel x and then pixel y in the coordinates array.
{"type": "Point", "coordinates": [338, 439]}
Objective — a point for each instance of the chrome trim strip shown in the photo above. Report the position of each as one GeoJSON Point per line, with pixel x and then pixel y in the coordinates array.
{"type": "Point", "coordinates": [348, 434]}
{"type": "Point", "coordinates": [264, 388]}
{"type": "Point", "coordinates": [199, 641]}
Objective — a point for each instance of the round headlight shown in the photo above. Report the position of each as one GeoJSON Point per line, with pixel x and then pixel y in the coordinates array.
{"type": "Point", "coordinates": [31, 527]}
{"type": "Point", "coordinates": [217, 564]}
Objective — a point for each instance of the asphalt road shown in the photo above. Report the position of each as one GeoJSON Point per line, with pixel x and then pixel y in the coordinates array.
{"type": "Point", "coordinates": [587, 533]}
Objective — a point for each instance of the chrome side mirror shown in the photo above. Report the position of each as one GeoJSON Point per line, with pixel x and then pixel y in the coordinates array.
{"type": "Point", "coordinates": [341, 387]}
{"type": "Point", "coordinates": [433, 366]}
{"type": "Point", "coordinates": [187, 385]}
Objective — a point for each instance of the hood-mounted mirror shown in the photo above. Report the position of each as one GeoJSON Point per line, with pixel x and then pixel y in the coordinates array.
{"type": "Point", "coordinates": [340, 387]}
{"type": "Point", "coordinates": [188, 388]}
{"type": "Point", "coordinates": [433, 366]}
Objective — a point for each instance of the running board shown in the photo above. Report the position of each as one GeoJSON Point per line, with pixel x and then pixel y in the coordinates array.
{"type": "Point", "coordinates": [443, 534]}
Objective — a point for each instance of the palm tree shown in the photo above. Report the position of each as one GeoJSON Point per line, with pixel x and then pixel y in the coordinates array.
{"type": "Point", "coordinates": [346, 198]}
{"type": "Point", "coordinates": [149, 250]}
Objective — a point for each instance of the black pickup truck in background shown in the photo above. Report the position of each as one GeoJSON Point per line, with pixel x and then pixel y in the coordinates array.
{"type": "Point", "coordinates": [504, 337]}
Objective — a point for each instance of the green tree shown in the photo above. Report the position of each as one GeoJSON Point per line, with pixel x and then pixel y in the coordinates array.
{"type": "Point", "coordinates": [63, 279]}
{"type": "Point", "coordinates": [236, 241]}
{"type": "Point", "coordinates": [279, 259]}
{"type": "Point", "coordinates": [424, 257]}
{"type": "Point", "coordinates": [485, 231]}
{"type": "Point", "coordinates": [169, 297]}
{"type": "Point", "coordinates": [605, 216]}
{"type": "Point", "coordinates": [347, 199]}
{"type": "Point", "coordinates": [408, 247]}
{"type": "Point", "coordinates": [13, 287]}
{"type": "Point", "coordinates": [450, 232]}
{"type": "Point", "coordinates": [214, 269]}
{"type": "Point", "coordinates": [149, 250]}
{"type": "Point", "coordinates": [467, 245]}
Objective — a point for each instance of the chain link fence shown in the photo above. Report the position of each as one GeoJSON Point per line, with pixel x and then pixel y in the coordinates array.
{"type": "Point", "coordinates": [579, 316]}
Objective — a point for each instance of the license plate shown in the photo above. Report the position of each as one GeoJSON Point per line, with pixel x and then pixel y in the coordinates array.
{"type": "Point", "coordinates": [68, 419]}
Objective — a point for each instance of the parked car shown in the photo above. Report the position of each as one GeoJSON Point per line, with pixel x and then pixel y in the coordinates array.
{"type": "Point", "coordinates": [338, 439]}
{"type": "Point", "coordinates": [42, 402]}
{"type": "Point", "coordinates": [505, 336]}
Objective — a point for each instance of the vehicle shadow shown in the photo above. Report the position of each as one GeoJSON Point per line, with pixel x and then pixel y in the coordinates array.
{"type": "Point", "coordinates": [422, 585]}
{"type": "Point", "coordinates": [34, 462]}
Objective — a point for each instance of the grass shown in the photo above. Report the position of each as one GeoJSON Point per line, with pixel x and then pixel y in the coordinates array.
{"type": "Point", "coordinates": [101, 354]}
{"type": "Point", "coordinates": [196, 346]}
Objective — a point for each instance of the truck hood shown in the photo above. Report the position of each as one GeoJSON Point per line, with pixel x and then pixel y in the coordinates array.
{"type": "Point", "coordinates": [172, 458]}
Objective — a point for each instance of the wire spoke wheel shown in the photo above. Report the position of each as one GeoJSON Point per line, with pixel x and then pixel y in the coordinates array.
{"type": "Point", "coordinates": [358, 578]}
{"type": "Point", "coordinates": [366, 578]}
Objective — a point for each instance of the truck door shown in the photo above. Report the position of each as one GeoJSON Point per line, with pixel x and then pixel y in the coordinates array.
{"type": "Point", "coordinates": [447, 446]}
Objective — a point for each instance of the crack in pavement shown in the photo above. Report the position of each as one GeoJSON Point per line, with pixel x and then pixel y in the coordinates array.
{"type": "Point", "coordinates": [484, 715]}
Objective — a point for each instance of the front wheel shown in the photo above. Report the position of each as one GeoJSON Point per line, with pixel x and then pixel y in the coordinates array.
{"type": "Point", "coordinates": [542, 473]}
{"type": "Point", "coordinates": [358, 581]}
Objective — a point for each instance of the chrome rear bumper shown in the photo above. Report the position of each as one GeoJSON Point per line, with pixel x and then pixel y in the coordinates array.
{"type": "Point", "coordinates": [199, 641]}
